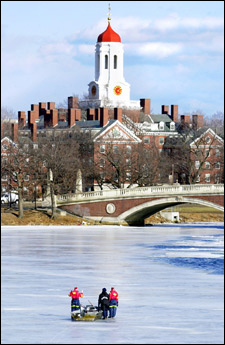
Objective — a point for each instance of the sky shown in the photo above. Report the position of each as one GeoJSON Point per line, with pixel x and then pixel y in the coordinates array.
{"type": "Point", "coordinates": [173, 51]}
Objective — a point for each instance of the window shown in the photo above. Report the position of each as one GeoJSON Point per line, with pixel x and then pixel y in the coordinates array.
{"type": "Point", "coordinates": [128, 176]}
{"type": "Point", "coordinates": [128, 162]}
{"type": "Point", "coordinates": [161, 141]}
{"type": "Point", "coordinates": [128, 149]}
{"type": "Point", "coordinates": [207, 165]}
{"type": "Point", "coordinates": [207, 153]}
{"type": "Point", "coordinates": [115, 149]}
{"type": "Point", "coordinates": [4, 147]}
{"type": "Point", "coordinates": [102, 149]}
{"type": "Point", "coordinates": [4, 177]}
{"type": "Point", "coordinates": [217, 178]}
{"type": "Point", "coordinates": [4, 160]}
{"type": "Point", "coordinates": [217, 165]}
{"type": "Point", "coordinates": [172, 126]}
{"type": "Point", "coordinates": [207, 139]}
{"type": "Point", "coordinates": [146, 140]}
{"type": "Point", "coordinates": [115, 61]}
{"type": "Point", "coordinates": [197, 164]}
{"type": "Point", "coordinates": [106, 62]}
{"type": "Point", "coordinates": [217, 152]}
{"type": "Point", "coordinates": [161, 126]}
{"type": "Point", "coordinates": [102, 163]}
{"type": "Point", "coordinates": [207, 178]}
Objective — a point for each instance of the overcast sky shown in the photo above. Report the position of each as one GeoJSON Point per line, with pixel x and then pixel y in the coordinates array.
{"type": "Point", "coordinates": [173, 51]}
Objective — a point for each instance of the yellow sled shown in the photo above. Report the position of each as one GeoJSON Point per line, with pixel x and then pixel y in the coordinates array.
{"type": "Point", "coordinates": [88, 313]}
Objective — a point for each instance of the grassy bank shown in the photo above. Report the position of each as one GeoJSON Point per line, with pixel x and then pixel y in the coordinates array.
{"type": "Point", "coordinates": [188, 213]}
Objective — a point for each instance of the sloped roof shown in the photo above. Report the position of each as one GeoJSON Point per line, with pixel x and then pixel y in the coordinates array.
{"type": "Point", "coordinates": [122, 132]}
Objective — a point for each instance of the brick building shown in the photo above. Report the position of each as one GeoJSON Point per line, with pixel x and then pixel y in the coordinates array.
{"type": "Point", "coordinates": [116, 122]}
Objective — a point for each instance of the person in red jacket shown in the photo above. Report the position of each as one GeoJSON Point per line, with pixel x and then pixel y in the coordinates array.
{"type": "Point", "coordinates": [113, 302]}
{"type": "Point", "coordinates": [75, 302]}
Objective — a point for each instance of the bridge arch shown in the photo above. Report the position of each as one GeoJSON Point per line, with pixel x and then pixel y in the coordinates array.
{"type": "Point", "coordinates": [136, 215]}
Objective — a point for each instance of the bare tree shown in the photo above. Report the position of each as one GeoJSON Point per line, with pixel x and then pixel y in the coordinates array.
{"type": "Point", "coordinates": [61, 159]}
{"type": "Point", "coordinates": [16, 168]}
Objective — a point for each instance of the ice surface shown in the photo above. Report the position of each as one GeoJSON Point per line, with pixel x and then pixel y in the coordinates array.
{"type": "Point", "coordinates": [166, 295]}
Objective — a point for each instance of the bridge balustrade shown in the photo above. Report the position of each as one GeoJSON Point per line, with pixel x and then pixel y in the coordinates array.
{"type": "Point", "coordinates": [141, 191]}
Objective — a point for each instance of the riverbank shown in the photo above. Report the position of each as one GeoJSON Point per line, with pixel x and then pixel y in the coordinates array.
{"type": "Point", "coordinates": [188, 214]}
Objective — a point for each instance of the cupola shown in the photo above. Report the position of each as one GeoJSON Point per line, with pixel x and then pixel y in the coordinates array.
{"type": "Point", "coordinates": [109, 35]}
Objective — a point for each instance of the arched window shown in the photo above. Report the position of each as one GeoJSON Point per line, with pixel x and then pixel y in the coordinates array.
{"type": "Point", "coordinates": [115, 61]}
{"type": "Point", "coordinates": [106, 61]}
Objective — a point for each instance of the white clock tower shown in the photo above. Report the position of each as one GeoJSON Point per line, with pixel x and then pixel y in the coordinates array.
{"type": "Point", "coordinates": [109, 89]}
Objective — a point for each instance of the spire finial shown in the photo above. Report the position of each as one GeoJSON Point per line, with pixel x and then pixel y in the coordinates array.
{"type": "Point", "coordinates": [109, 14]}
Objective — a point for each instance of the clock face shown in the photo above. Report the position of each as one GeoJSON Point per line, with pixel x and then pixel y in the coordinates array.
{"type": "Point", "coordinates": [117, 90]}
{"type": "Point", "coordinates": [93, 90]}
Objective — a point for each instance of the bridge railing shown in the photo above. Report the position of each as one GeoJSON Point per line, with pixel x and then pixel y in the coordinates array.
{"type": "Point", "coordinates": [141, 192]}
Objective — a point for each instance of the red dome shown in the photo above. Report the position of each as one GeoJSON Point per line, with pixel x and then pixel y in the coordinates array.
{"type": "Point", "coordinates": [109, 35]}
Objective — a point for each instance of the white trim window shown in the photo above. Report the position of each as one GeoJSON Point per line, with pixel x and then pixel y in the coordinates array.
{"type": "Point", "coordinates": [207, 165]}
{"type": "Point", "coordinates": [217, 165]}
{"type": "Point", "coordinates": [161, 140]}
{"type": "Point", "coordinates": [128, 149]}
{"type": "Point", "coordinates": [197, 164]}
{"type": "Point", "coordinates": [102, 148]}
{"type": "Point", "coordinates": [217, 152]}
{"type": "Point", "coordinates": [4, 177]}
{"type": "Point", "coordinates": [207, 178]}
{"type": "Point", "coordinates": [198, 178]}
{"type": "Point", "coordinates": [4, 147]}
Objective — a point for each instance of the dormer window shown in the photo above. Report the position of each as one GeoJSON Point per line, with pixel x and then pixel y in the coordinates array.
{"type": "Point", "coordinates": [172, 126]}
{"type": "Point", "coordinates": [161, 126]}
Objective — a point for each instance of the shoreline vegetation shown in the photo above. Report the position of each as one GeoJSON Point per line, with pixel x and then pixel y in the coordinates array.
{"type": "Point", "coordinates": [187, 214]}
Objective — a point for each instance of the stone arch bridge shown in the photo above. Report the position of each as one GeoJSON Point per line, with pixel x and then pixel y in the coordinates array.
{"type": "Point", "coordinates": [132, 205]}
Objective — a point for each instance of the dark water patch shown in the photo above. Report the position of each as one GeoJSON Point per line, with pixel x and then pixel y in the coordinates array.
{"type": "Point", "coordinates": [211, 265]}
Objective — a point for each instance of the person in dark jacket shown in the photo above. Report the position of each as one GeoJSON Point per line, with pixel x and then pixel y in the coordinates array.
{"type": "Point", "coordinates": [103, 303]}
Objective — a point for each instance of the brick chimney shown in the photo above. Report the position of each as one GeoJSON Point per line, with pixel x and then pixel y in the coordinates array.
{"type": "Point", "coordinates": [32, 116]}
{"type": "Point", "coordinates": [174, 112]}
{"type": "Point", "coordinates": [47, 118]}
{"type": "Point", "coordinates": [15, 132]}
{"type": "Point", "coordinates": [21, 119]}
{"type": "Point", "coordinates": [145, 103]}
{"type": "Point", "coordinates": [71, 117]}
{"type": "Point", "coordinates": [118, 113]}
{"type": "Point", "coordinates": [104, 116]}
{"type": "Point", "coordinates": [42, 108]}
{"type": "Point", "coordinates": [165, 109]}
{"type": "Point", "coordinates": [90, 114]}
{"type": "Point", "coordinates": [78, 114]}
{"type": "Point", "coordinates": [97, 114]}
{"type": "Point", "coordinates": [35, 107]}
{"type": "Point", "coordinates": [185, 120]}
{"type": "Point", "coordinates": [62, 114]}
{"type": "Point", "coordinates": [73, 102]}
{"type": "Point", "coordinates": [51, 105]}
{"type": "Point", "coordinates": [197, 121]}
{"type": "Point", "coordinates": [34, 132]}
{"type": "Point", "coordinates": [54, 117]}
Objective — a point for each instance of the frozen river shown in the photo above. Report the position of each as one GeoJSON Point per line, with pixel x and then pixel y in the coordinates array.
{"type": "Point", "coordinates": [169, 279]}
